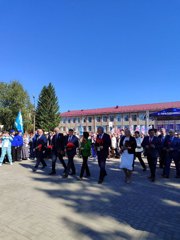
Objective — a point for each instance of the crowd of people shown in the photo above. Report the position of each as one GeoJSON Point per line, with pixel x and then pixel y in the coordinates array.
{"type": "Point", "coordinates": [155, 146]}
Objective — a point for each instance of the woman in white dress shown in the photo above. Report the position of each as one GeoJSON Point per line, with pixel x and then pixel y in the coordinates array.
{"type": "Point", "coordinates": [127, 146]}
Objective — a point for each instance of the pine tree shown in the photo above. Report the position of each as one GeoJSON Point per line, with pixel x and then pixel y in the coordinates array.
{"type": "Point", "coordinates": [47, 112]}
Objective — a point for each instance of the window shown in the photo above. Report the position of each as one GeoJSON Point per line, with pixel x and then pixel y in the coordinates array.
{"type": "Point", "coordinates": [89, 128]}
{"type": "Point", "coordinates": [104, 118]}
{"type": "Point", "coordinates": [111, 118]}
{"type": "Point", "coordinates": [134, 117]}
{"type": "Point", "coordinates": [142, 116]}
{"type": "Point", "coordinates": [64, 120]}
{"type": "Point", "coordinates": [84, 120]}
{"type": "Point", "coordinates": [126, 117]}
{"type": "Point", "coordinates": [74, 120]}
{"type": "Point", "coordinates": [78, 120]}
{"type": "Point", "coordinates": [84, 128]}
{"type": "Point", "coordinates": [69, 120]}
{"type": "Point", "coordinates": [98, 119]}
{"type": "Point", "coordinates": [118, 118]}
{"type": "Point", "coordinates": [89, 119]}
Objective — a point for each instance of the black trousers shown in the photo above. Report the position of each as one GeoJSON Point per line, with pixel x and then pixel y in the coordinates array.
{"type": "Point", "coordinates": [102, 165]}
{"type": "Point", "coordinates": [16, 153]}
{"type": "Point", "coordinates": [152, 161]}
{"type": "Point", "coordinates": [138, 155]}
{"type": "Point", "coordinates": [54, 156]}
{"type": "Point", "coordinates": [85, 167]}
{"type": "Point", "coordinates": [70, 165]}
{"type": "Point", "coordinates": [162, 158]}
{"type": "Point", "coordinates": [40, 159]}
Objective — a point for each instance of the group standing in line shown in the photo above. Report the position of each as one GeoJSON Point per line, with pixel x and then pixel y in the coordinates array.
{"type": "Point", "coordinates": [164, 146]}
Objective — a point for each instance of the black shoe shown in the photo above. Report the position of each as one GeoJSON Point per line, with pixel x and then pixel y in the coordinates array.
{"type": "Point", "coordinates": [52, 173]}
{"type": "Point", "coordinates": [100, 181]}
{"type": "Point", "coordinates": [165, 176]}
{"type": "Point", "coordinates": [34, 169]}
{"type": "Point", "coordinates": [144, 169]}
{"type": "Point", "coordinates": [153, 179]}
{"type": "Point", "coordinates": [64, 176]}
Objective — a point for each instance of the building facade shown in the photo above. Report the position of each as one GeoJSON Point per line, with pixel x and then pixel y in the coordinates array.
{"type": "Point", "coordinates": [134, 117]}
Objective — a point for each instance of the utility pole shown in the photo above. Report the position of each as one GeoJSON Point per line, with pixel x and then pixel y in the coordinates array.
{"type": "Point", "coordinates": [34, 117]}
{"type": "Point", "coordinates": [147, 121]}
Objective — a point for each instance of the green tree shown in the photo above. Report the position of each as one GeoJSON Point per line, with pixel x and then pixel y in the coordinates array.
{"type": "Point", "coordinates": [47, 112]}
{"type": "Point", "coordinates": [13, 98]}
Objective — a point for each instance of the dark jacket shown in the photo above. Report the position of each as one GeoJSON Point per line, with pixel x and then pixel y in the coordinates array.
{"type": "Point", "coordinates": [71, 152]}
{"type": "Point", "coordinates": [151, 152]}
{"type": "Point", "coordinates": [171, 144]}
{"type": "Point", "coordinates": [58, 142]}
{"type": "Point", "coordinates": [41, 144]}
{"type": "Point", "coordinates": [105, 143]}
{"type": "Point", "coordinates": [131, 143]}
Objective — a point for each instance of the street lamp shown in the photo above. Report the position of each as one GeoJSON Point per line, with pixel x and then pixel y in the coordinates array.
{"type": "Point", "coordinates": [34, 117]}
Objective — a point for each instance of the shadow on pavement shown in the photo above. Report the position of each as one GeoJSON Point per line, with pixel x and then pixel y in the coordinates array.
{"type": "Point", "coordinates": [141, 210]}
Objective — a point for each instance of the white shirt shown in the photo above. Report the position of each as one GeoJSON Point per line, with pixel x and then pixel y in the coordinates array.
{"type": "Point", "coordinates": [138, 142]}
{"type": "Point", "coordinates": [113, 142]}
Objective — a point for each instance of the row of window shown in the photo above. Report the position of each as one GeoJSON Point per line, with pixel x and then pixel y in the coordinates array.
{"type": "Point", "coordinates": [105, 118]}
{"type": "Point", "coordinates": [107, 128]}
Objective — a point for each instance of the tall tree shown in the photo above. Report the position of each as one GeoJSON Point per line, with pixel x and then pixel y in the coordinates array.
{"type": "Point", "coordinates": [47, 112]}
{"type": "Point", "coordinates": [13, 98]}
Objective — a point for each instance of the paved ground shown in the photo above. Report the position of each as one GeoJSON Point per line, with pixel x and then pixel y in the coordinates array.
{"type": "Point", "coordinates": [40, 207]}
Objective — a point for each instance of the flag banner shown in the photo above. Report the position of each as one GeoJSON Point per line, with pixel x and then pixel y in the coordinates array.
{"type": "Point", "coordinates": [19, 122]}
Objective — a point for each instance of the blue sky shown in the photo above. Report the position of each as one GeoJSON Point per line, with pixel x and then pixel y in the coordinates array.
{"type": "Point", "coordinates": [96, 53]}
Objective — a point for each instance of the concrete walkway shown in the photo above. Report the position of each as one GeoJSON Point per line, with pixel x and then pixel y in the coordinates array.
{"type": "Point", "coordinates": [36, 206]}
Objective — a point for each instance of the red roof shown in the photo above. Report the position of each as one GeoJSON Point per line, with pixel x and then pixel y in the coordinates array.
{"type": "Point", "coordinates": [122, 109]}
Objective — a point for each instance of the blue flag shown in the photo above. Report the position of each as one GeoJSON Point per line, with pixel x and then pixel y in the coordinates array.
{"type": "Point", "coordinates": [19, 122]}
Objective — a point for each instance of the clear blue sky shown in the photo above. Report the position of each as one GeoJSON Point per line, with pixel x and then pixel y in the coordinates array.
{"type": "Point", "coordinates": [97, 53]}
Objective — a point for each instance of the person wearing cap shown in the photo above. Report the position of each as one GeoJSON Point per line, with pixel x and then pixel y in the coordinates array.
{"type": "Point", "coordinates": [57, 144]}
{"type": "Point", "coordinates": [102, 144]}
{"type": "Point", "coordinates": [71, 144]}
{"type": "Point", "coordinates": [17, 144]}
{"type": "Point", "coordinates": [171, 146]}
{"type": "Point", "coordinates": [151, 146]}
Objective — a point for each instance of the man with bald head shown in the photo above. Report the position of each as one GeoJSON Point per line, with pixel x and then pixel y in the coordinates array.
{"type": "Point", "coordinates": [40, 146]}
{"type": "Point", "coordinates": [102, 144]}
{"type": "Point", "coordinates": [57, 150]}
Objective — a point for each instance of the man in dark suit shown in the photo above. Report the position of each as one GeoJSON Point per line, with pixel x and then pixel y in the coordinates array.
{"type": "Point", "coordinates": [71, 143]}
{"type": "Point", "coordinates": [151, 150]}
{"type": "Point", "coordinates": [40, 146]}
{"type": "Point", "coordinates": [162, 152]}
{"type": "Point", "coordinates": [57, 144]}
{"type": "Point", "coordinates": [102, 144]}
{"type": "Point", "coordinates": [171, 147]}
